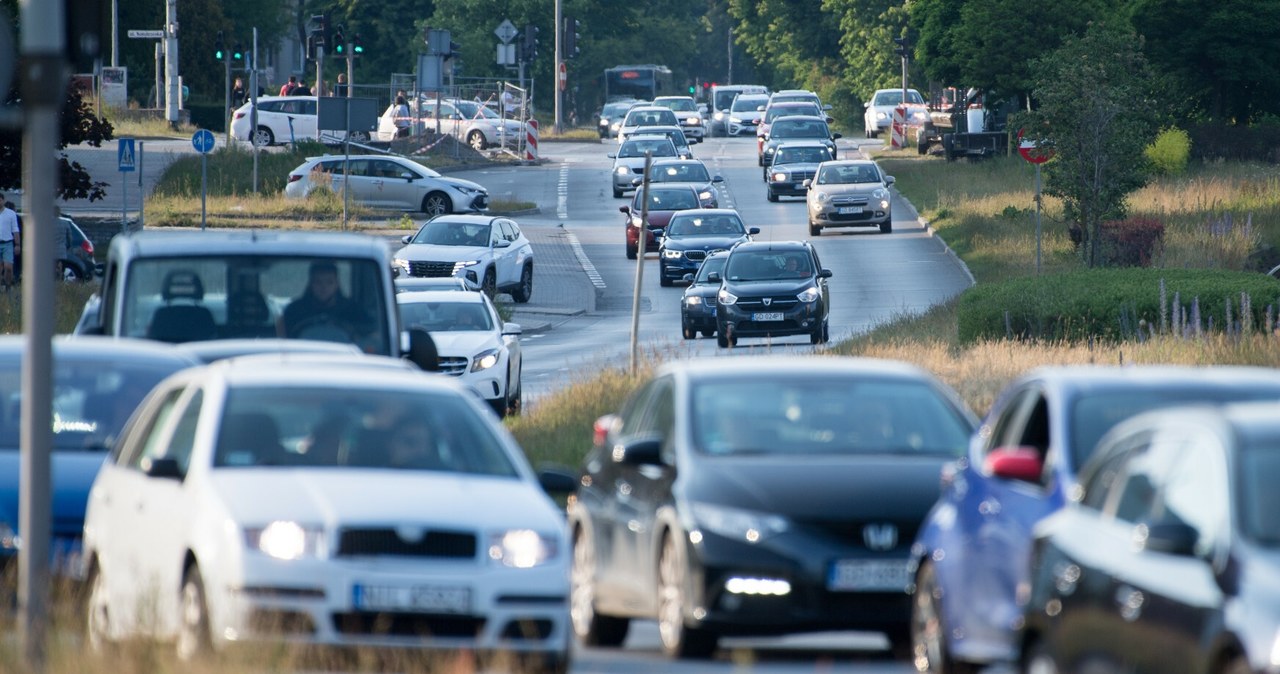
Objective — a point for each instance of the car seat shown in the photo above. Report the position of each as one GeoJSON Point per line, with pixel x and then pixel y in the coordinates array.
{"type": "Point", "coordinates": [186, 321]}
{"type": "Point", "coordinates": [249, 439]}
{"type": "Point", "coordinates": [248, 316]}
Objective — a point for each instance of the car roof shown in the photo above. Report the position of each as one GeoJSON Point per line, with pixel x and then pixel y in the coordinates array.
{"type": "Point", "coordinates": [800, 118]}
{"type": "Point", "coordinates": [111, 349]}
{"type": "Point", "coordinates": [220, 242]}
{"type": "Point", "coordinates": [1078, 378]}
{"type": "Point", "coordinates": [450, 296]}
{"type": "Point", "coordinates": [850, 162]}
{"type": "Point", "coordinates": [772, 245]}
{"type": "Point", "coordinates": [218, 349]}
{"type": "Point", "coordinates": [477, 218]}
{"type": "Point", "coordinates": [789, 365]}
{"type": "Point", "coordinates": [708, 211]}
{"type": "Point", "coordinates": [807, 142]}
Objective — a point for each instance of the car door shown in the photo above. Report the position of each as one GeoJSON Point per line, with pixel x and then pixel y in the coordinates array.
{"type": "Point", "coordinates": [452, 122]}
{"type": "Point", "coordinates": [400, 187]}
{"type": "Point", "coordinates": [650, 491]}
{"type": "Point", "coordinates": [502, 243]}
{"type": "Point", "coordinates": [367, 186]}
{"type": "Point", "coordinates": [307, 124]}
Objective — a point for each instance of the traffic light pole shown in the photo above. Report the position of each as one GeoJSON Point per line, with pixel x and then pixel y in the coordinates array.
{"type": "Point", "coordinates": [226, 65]}
{"type": "Point", "coordinates": [559, 95]}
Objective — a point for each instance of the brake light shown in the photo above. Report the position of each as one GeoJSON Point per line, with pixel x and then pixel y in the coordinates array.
{"type": "Point", "coordinates": [295, 177]}
{"type": "Point", "coordinates": [600, 430]}
{"type": "Point", "coordinates": [87, 246]}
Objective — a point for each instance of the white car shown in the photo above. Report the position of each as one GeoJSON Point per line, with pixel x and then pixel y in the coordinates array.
{"type": "Point", "coordinates": [472, 341]}
{"type": "Point", "coordinates": [879, 110]}
{"type": "Point", "coordinates": [468, 121]}
{"type": "Point", "coordinates": [285, 119]}
{"type": "Point", "coordinates": [388, 181]}
{"type": "Point", "coordinates": [305, 500]}
{"type": "Point", "coordinates": [489, 252]}
{"type": "Point", "coordinates": [645, 115]}
{"type": "Point", "coordinates": [691, 120]}
{"type": "Point", "coordinates": [744, 113]}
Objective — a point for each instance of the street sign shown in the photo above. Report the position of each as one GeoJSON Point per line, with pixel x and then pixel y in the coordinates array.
{"type": "Point", "coordinates": [126, 156]}
{"type": "Point", "coordinates": [564, 76]}
{"type": "Point", "coordinates": [202, 141]}
{"type": "Point", "coordinates": [150, 34]}
{"type": "Point", "coordinates": [506, 31]}
{"type": "Point", "coordinates": [1032, 152]}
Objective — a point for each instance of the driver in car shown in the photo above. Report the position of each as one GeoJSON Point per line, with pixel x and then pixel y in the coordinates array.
{"type": "Point", "coordinates": [322, 311]}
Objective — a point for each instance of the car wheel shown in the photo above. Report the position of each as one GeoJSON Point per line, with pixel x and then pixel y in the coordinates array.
{"type": "Point", "coordinates": [71, 273]}
{"type": "Point", "coordinates": [359, 136]}
{"type": "Point", "coordinates": [772, 197]}
{"type": "Point", "coordinates": [263, 137]}
{"type": "Point", "coordinates": [679, 639]}
{"type": "Point", "coordinates": [524, 291]}
{"type": "Point", "coordinates": [617, 193]}
{"type": "Point", "coordinates": [591, 628]}
{"type": "Point", "coordinates": [515, 402]}
{"type": "Point", "coordinates": [500, 407]}
{"type": "Point", "coordinates": [97, 613]}
{"type": "Point", "coordinates": [688, 332]}
{"type": "Point", "coordinates": [476, 140]}
{"type": "Point", "coordinates": [928, 640]}
{"type": "Point", "coordinates": [814, 230]}
{"type": "Point", "coordinates": [1038, 660]}
{"type": "Point", "coordinates": [194, 640]}
{"type": "Point", "coordinates": [708, 333]}
{"type": "Point", "coordinates": [436, 203]}
{"type": "Point", "coordinates": [886, 227]}
{"type": "Point", "coordinates": [632, 253]}
{"type": "Point", "coordinates": [722, 340]}
{"type": "Point", "coordinates": [490, 283]}
{"type": "Point", "coordinates": [816, 337]}
{"type": "Point", "coordinates": [900, 643]}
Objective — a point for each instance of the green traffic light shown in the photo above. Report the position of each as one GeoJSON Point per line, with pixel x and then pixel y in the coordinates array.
{"type": "Point", "coordinates": [358, 49]}
{"type": "Point", "coordinates": [339, 48]}
{"type": "Point", "coordinates": [219, 54]}
{"type": "Point", "coordinates": [693, 89]}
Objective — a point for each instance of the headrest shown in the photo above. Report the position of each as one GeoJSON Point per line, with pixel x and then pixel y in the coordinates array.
{"type": "Point", "coordinates": [183, 284]}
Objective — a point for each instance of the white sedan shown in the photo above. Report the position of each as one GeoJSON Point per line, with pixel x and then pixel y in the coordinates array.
{"type": "Point", "coordinates": [308, 500]}
{"type": "Point", "coordinates": [473, 342]}
{"type": "Point", "coordinates": [388, 182]}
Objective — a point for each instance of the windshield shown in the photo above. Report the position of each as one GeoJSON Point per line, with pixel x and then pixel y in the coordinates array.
{"type": "Point", "coordinates": [1258, 498]}
{"type": "Point", "coordinates": [661, 147]}
{"type": "Point", "coordinates": [787, 127]}
{"type": "Point", "coordinates": [615, 109]}
{"type": "Point", "coordinates": [895, 97]}
{"type": "Point", "coordinates": [790, 110]}
{"type": "Point", "coordinates": [678, 104]}
{"type": "Point", "coordinates": [651, 117]}
{"type": "Point", "coordinates": [471, 110]}
{"type": "Point", "coordinates": [680, 173]}
{"type": "Point", "coordinates": [848, 174]}
{"type": "Point", "coordinates": [666, 200]}
{"type": "Point", "coordinates": [437, 316]}
{"type": "Point", "coordinates": [450, 233]}
{"type": "Point", "coordinates": [709, 266]}
{"type": "Point", "coordinates": [726, 224]}
{"type": "Point", "coordinates": [769, 265]}
{"type": "Point", "coordinates": [802, 155]}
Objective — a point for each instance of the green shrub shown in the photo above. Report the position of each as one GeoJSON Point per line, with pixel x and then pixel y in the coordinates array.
{"type": "Point", "coordinates": [1132, 242]}
{"type": "Point", "coordinates": [1114, 304]}
{"type": "Point", "coordinates": [1170, 151]}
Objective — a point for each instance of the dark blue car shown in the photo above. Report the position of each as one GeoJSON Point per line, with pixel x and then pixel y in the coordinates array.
{"type": "Point", "coordinates": [971, 555]}
{"type": "Point", "coordinates": [694, 234]}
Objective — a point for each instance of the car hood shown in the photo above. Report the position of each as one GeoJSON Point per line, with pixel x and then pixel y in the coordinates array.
{"type": "Point", "coordinates": [72, 475]}
{"type": "Point", "coordinates": [840, 190]}
{"type": "Point", "coordinates": [701, 242]}
{"type": "Point", "coordinates": [459, 182]}
{"type": "Point", "coordinates": [797, 166]}
{"type": "Point", "coordinates": [383, 496]}
{"type": "Point", "coordinates": [660, 218]}
{"type": "Point", "coordinates": [773, 287]}
{"type": "Point", "coordinates": [702, 290]}
{"type": "Point", "coordinates": [431, 252]}
{"type": "Point", "coordinates": [821, 487]}
{"type": "Point", "coordinates": [464, 343]}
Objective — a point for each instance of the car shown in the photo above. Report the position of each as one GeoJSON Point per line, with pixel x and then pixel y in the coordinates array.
{"type": "Point", "coordinates": [405, 284]}
{"type": "Point", "coordinates": [1165, 559]}
{"type": "Point", "coordinates": [646, 115]}
{"type": "Point", "coordinates": [879, 109]}
{"type": "Point", "coordinates": [722, 96]}
{"type": "Point", "coordinates": [694, 234]}
{"type": "Point", "coordinates": [794, 162]}
{"type": "Point", "coordinates": [773, 111]}
{"type": "Point", "coordinates": [698, 305]}
{"type": "Point", "coordinates": [797, 127]}
{"type": "Point", "coordinates": [96, 383]}
{"type": "Point", "coordinates": [79, 264]}
{"type": "Point", "coordinates": [285, 119]}
{"type": "Point", "coordinates": [628, 161]}
{"type": "Point", "coordinates": [489, 252]}
{"type": "Point", "coordinates": [674, 133]}
{"type": "Point", "coordinates": [691, 121]}
{"type": "Point", "coordinates": [221, 349]}
{"type": "Point", "coordinates": [971, 557]}
{"type": "Point", "coordinates": [772, 289]}
{"type": "Point", "coordinates": [692, 171]}
{"type": "Point", "coordinates": [473, 342]}
{"type": "Point", "coordinates": [387, 181]}
{"type": "Point", "coordinates": [744, 112]}
{"type": "Point", "coordinates": [325, 501]}
{"type": "Point", "coordinates": [609, 119]}
{"type": "Point", "coordinates": [849, 193]}
{"type": "Point", "coordinates": [469, 122]}
{"type": "Point", "coordinates": [663, 201]}
{"type": "Point", "coordinates": [797, 96]}
{"type": "Point", "coordinates": [763, 496]}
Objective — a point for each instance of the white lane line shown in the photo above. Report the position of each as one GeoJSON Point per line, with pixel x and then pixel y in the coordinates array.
{"type": "Point", "coordinates": [590, 269]}
{"type": "Point", "coordinates": [562, 194]}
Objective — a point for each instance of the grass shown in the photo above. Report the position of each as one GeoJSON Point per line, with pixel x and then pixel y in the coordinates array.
{"type": "Point", "coordinates": [587, 134]}
{"type": "Point", "coordinates": [137, 126]}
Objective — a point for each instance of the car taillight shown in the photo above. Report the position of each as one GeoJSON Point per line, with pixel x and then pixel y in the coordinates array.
{"type": "Point", "coordinates": [239, 115]}
{"type": "Point", "coordinates": [600, 430]}
{"type": "Point", "coordinates": [295, 177]}
{"type": "Point", "coordinates": [87, 246]}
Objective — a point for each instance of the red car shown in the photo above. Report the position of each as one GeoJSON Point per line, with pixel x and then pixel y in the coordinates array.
{"type": "Point", "coordinates": [664, 200]}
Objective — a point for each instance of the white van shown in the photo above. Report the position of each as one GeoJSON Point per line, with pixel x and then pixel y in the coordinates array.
{"type": "Point", "coordinates": [722, 96]}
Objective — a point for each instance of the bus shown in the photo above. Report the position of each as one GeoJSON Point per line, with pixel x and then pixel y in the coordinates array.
{"type": "Point", "coordinates": [644, 82]}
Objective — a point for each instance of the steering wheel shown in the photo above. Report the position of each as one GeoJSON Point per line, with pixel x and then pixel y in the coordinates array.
{"type": "Point", "coordinates": [322, 327]}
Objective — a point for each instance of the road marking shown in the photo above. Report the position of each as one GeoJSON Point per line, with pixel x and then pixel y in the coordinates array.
{"type": "Point", "coordinates": [562, 194]}
{"type": "Point", "coordinates": [590, 269]}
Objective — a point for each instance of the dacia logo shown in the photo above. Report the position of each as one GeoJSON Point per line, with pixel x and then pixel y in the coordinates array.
{"type": "Point", "coordinates": [768, 301]}
{"type": "Point", "coordinates": [880, 536]}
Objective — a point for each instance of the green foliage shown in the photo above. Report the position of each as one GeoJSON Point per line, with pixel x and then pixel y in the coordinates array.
{"type": "Point", "coordinates": [1169, 152]}
{"type": "Point", "coordinates": [231, 171]}
{"type": "Point", "coordinates": [1104, 303]}
{"type": "Point", "coordinates": [76, 124]}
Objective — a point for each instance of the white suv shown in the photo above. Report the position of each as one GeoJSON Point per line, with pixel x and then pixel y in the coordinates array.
{"type": "Point", "coordinates": [285, 119]}
{"type": "Point", "coordinates": [488, 252]}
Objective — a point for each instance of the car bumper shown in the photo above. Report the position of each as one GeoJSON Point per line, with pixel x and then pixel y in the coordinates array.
{"type": "Point", "coordinates": [651, 242]}
{"type": "Point", "coordinates": [470, 203]}
{"type": "Point", "coordinates": [801, 319]}
{"type": "Point", "coordinates": [697, 131]}
{"type": "Point", "coordinates": [701, 316]}
{"type": "Point", "coordinates": [676, 268]}
{"type": "Point", "coordinates": [625, 182]}
{"type": "Point", "coordinates": [740, 128]}
{"type": "Point", "coordinates": [828, 216]}
{"type": "Point", "coordinates": [788, 189]}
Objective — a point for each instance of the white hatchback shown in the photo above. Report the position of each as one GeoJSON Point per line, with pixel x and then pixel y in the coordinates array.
{"type": "Point", "coordinates": [345, 501]}
{"type": "Point", "coordinates": [467, 121]}
{"type": "Point", "coordinates": [388, 182]}
{"type": "Point", "coordinates": [285, 119]}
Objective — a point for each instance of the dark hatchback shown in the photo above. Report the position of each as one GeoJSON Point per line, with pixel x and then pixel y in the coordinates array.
{"type": "Point", "coordinates": [1168, 560]}
{"type": "Point", "coordinates": [767, 496]}
{"type": "Point", "coordinates": [698, 306]}
{"type": "Point", "coordinates": [692, 235]}
{"type": "Point", "coordinates": [772, 289]}
{"type": "Point", "coordinates": [797, 127]}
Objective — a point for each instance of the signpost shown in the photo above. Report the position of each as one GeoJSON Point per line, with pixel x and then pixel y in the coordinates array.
{"type": "Point", "coordinates": [563, 76]}
{"type": "Point", "coordinates": [202, 141]}
{"type": "Point", "coordinates": [127, 159]}
{"type": "Point", "coordinates": [1032, 152]}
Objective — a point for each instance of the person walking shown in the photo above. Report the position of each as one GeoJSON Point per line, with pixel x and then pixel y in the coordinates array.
{"type": "Point", "coordinates": [238, 94]}
{"type": "Point", "coordinates": [287, 88]}
{"type": "Point", "coordinates": [340, 89]}
{"type": "Point", "coordinates": [10, 242]}
{"type": "Point", "coordinates": [403, 118]}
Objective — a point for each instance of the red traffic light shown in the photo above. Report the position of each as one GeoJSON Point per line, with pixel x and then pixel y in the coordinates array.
{"type": "Point", "coordinates": [706, 85]}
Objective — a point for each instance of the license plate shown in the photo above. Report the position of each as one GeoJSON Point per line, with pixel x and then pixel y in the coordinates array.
{"type": "Point", "coordinates": [771, 316]}
{"type": "Point", "coordinates": [416, 598]}
{"type": "Point", "coordinates": [865, 575]}
{"type": "Point", "coordinates": [799, 186]}
{"type": "Point", "coordinates": [849, 210]}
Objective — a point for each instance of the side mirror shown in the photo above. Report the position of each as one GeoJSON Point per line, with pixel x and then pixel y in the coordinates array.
{"type": "Point", "coordinates": [687, 278]}
{"type": "Point", "coordinates": [807, 182]}
{"type": "Point", "coordinates": [866, 104]}
{"type": "Point", "coordinates": [406, 238]}
{"type": "Point", "coordinates": [612, 155]}
{"type": "Point", "coordinates": [1014, 463]}
{"type": "Point", "coordinates": [422, 350]}
{"type": "Point", "coordinates": [642, 451]}
{"type": "Point", "coordinates": [1168, 536]}
{"type": "Point", "coordinates": [824, 273]}
{"type": "Point", "coordinates": [512, 329]}
{"type": "Point", "coordinates": [826, 106]}
{"type": "Point", "coordinates": [624, 209]}
{"type": "Point", "coordinates": [161, 467]}
{"type": "Point", "coordinates": [837, 136]}
{"type": "Point", "coordinates": [888, 180]}
{"type": "Point", "coordinates": [557, 481]}
{"type": "Point", "coordinates": [714, 277]}
{"type": "Point", "coordinates": [637, 181]}
{"type": "Point", "coordinates": [717, 179]}
{"type": "Point", "coordinates": [501, 243]}
{"type": "Point", "coordinates": [753, 231]}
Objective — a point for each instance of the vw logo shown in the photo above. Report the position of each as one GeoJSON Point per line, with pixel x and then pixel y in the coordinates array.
{"type": "Point", "coordinates": [410, 534]}
{"type": "Point", "coordinates": [768, 301]}
{"type": "Point", "coordinates": [880, 536]}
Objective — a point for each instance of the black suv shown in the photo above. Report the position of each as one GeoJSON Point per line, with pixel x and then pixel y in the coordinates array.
{"type": "Point", "coordinates": [772, 289]}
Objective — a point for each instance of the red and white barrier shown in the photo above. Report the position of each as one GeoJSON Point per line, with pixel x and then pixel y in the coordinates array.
{"type": "Point", "coordinates": [531, 140]}
{"type": "Point", "coordinates": [898, 134]}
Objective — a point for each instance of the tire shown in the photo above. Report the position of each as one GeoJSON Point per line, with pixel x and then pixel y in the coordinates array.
{"type": "Point", "coordinates": [490, 283]}
{"type": "Point", "coordinates": [359, 137]}
{"type": "Point", "coordinates": [886, 227]}
{"type": "Point", "coordinates": [688, 332]}
{"type": "Point", "coordinates": [1038, 660]}
{"type": "Point", "coordinates": [771, 196]}
{"type": "Point", "coordinates": [500, 407]}
{"type": "Point", "coordinates": [263, 137]}
{"type": "Point", "coordinates": [194, 640]}
{"type": "Point", "coordinates": [515, 401]}
{"type": "Point", "coordinates": [436, 203]}
{"type": "Point", "coordinates": [632, 253]}
{"type": "Point", "coordinates": [679, 639]}
{"type": "Point", "coordinates": [819, 334]}
{"type": "Point", "coordinates": [814, 230]}
{"type": "Point", "coordinates": [476, 140]}
{"type": "Point", "coordinates": [722, 340]}
{"type": "Point", "coordinates": [97, 614]}
{"type": "Point", "coordinates": [900, 644]}
{"type": "Point", "coordinates": [524, 291]}
{"type": "Point", "coordinates": [617, 193]}
{"type": "Point", "coordinates": [71, 273]}
{"type": "Point", "coordinates": [928, 633]}
{"type": "Point", "coordinates": [591, 628]}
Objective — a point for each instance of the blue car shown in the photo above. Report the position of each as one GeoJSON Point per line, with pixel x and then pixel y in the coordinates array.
{"type": "Point", "coordinates": [971, 556]}
{"type": "Point", "coordinates": [97, 383]}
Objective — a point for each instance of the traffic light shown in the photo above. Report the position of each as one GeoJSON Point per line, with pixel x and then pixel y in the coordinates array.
{"type": "Point", "coordinates": [357, 46]}
{"type": "Point", "coordinates": [340, 40]}
{"type": "Point", "coordinates": [219, 48]}
{"type": "Point", "coordinates": [86, 31]}
{"type": "Point", "coordinates": [904, 47]}
{"type": "Point", "coordinates": [318, 38]}
{"type": "Point", "coordinates": [693, 89]}
{"type": "Point", "coordinates": [237, 53]}
{"type": "Point", "coordinates": [569, 45]}
{"type": "Point", "coordinates": [529, 44]}
{"type": "Point", "coordinates": [451, 50]}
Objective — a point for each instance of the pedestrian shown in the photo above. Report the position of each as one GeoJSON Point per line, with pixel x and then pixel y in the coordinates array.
{"type": "Point", "coordinates": [508, 104]}
{"type": "Point", "coordinates": [340, 89]}
{"type": "Point", "coordinates": [301, 90]}
{"type": "Point", "coordinates": [404, 118]}
{"type": "Point", "coordinates": [10, 242]}
{"type": "Point", "coordinates": [238, 94]}
{"type": "Point", "coordinates": [287, 88]}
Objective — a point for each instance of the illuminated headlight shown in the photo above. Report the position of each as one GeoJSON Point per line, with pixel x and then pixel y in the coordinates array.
{"type": "Point", "coordinates": [769, 150]}
{"type": "Point", "coordinates": [758, 586]}
{"type": "Point", "coordinates": [726, 297]}
{"type": "Point", "coordinates": [521, 548]}
{"type": "Point", "coordinates": [882, 116]}
{"type": "Point", "coordinates": [604, 121]}
{"type": "Point", "coordinates": [622, 170]}
{"type": "Point", "coordinates": [672, 254]}
{"type": "Point", "coordinates": [884, 204]}
{"type": "Point", "coordinates": [616, 125]}
{"type": "Point", "coordinates": [705, 195]}
{"type": "Point", "coordinates": [635, 221]}
{"type": "Point", "coordinates": [919, 115]}
{"type": "Point", "coordinates": [484, 360]}
{"type": "Point", "coordinates": [286, 540]}
{"type": "Point", "coordinates": [808, 295]}
{"type": "Point", "coordinates": [693, 120]}
{"type": "Point", "coordinates": [402, 265]}
{"type": "Point", "coordinates": [823, 196]}
{"type": "Point", "coordinates": [465, 190]}
{"type": "Point", "coordinates": [748, 525]}
{"type": "Point", "coordinates": [459, 266]}
{"type": "Point", "coordinates": [719, 115]}
{"type": "Point", "coordinates": [779, 177]}
{"type": "Point", "coordinates": [693, 300]}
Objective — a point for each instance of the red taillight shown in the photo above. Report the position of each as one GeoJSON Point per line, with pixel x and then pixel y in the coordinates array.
{"type": "Point", "coordinates": [239, 115]}
{"type": "Point", "coordinates": [87, 246]}
{"type": "Point", "coordinates": [295, 177]}
{"type": "Point", "coordinates": [600, 430]}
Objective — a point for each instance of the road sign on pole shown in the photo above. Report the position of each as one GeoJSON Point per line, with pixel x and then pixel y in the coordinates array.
{"type": "Point", "coordinates": [147, 34]}
{"type": "Point", "coordinates": [127, 159]}
{"type": "Point", "coordinates": [202, 141]}
{"type": "Point", "coordinates": [563, 76]}
{"type": "Point", "coordinates": [506, 31]}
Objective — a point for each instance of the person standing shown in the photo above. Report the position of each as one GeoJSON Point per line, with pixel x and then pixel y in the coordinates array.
{"type": "Point", "coordinates": [287, 88]}
{"type": "Point", "coordinates": [10, 242]}
{"type": "Point", "coordinates": [301, 90]}
{"type": "Point", "coordinates": [403, 118]}
{"type": "Point", "coordinates": [238, 94]}
{"type": "Point", "coordinates": [340, 89]}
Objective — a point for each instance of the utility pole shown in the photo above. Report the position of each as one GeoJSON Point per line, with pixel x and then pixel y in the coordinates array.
{"type": "Point", "coordinates": [641, 245]}
{"type": "Point", "coordinates": [173, 99]}
{"type": "Point", "coordinates": [253, 109]}
{"type": "Point", "coordinates": [558, 95]}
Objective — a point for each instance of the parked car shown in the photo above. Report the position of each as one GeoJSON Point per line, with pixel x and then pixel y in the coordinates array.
{"type": "Point", "coordinates": [744, 113]}
{"type": "Point", "coordinates": [691, 171]}
{"type": "Point", "coordinates": [664, 201]}
{"type": "Point", "coordinates": [388, 182]}
{"type": "Point", "coordinates": [879, 109]}
{"type": "Point", "coordinates": [691, 120]}
{"type": "Point", "coordinates": [794, 164]}
{"type": "Point", "coordinates": [96, 384]}
{"type": "Point", "coordinates": [772, 289]}
{"type": "Point", "coordinates": [970, 560]}
{"type": "Point", "coordinates": [774, 110]}
{"type": "Point", "coordinates": [759, 496]}
{"type": "Point", "coordinates": [694, 234]}
{"type": "Point", "coordinates": [646, 115]}
{"type": "Point", "coordinates": [628, 161]}
{"type": "Point", "coordinates": [79, 264]}
{"type": "Point", "coordinates": [849, 193]}
{"type": "Point", "coordinates": [609, 119]}
{"type": "Point", "coordinates": [336, 501]}
{"type": "Point", "coordinates": [698, 306]}
{"type": "Point", "coordinates": [489, 252]}
{"type": "Point", "coordinates": [1165, 560]}
{"type": "Point", "coordinates": [467, 121]}
{"type": "Point", "coordinates": [285, 119]}
{"type": "Point", "coordinates": [797, 127]}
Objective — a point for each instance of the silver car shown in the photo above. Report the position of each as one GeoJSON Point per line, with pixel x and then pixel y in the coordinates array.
{"type": "Point", "coordinates": [468, 121]}
{"type": "Point", "coordinates": [628, 163]}
{"type": "Point", "coordinates": [849, 193]}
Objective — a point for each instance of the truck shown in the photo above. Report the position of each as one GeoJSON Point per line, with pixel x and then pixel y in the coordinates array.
{"type": "Point", "coordinates": [964, 124]}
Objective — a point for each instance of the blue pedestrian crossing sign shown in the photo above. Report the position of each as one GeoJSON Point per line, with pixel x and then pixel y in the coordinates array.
{"type": "Point", "coordinates": [202, 140]}
{"type": "Point", "coordinates": [127, 157]}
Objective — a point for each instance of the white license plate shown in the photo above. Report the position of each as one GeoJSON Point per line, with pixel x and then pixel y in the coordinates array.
{"type": "Point", "coordinates": [416, 598]}
{"type": "Point", "coordinates": [849, 210]}
{"type": "Point", "coordinates": [868, 575]}
{"type": "Point", "coordinates": [771, 316]}
{"type": "Point", "coordinates": [799, 186]}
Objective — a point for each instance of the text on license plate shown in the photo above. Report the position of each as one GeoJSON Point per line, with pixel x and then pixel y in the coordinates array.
{"type": "Point", "coordinates": [416, 598]}
{"type": "Point", "coordinates": [771, 316]}
{"type": "Point", "coordinates": [868, 575]}
{"type": "Point", "coordinates": [849, 210]}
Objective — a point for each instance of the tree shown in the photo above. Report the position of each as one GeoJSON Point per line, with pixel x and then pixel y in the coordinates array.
{"type": "Point", "coordinates": [1097, 107]}
{"type": "Point", "coordinates": [77, 124]}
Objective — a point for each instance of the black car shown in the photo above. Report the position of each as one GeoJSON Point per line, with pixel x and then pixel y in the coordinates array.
{"type": "Point", "coordinates": [692, 235]}
{"type": "Point", "coordinates": [698, 306]}
{"type": "Point", "coordinates": [762, 496]}
{"type": "Point", "coordinates": [794, 162]}
{"type": "Point", "coordinates": [772, 289]}
{"type": "Point", "coordinates": [610, 117]}
{"type": "Point", "coordinates": [691, 171]}
{"type": "Point", "coordinates": [1168, 560]}
{"type": "Point", "coordinates": [797, 127]}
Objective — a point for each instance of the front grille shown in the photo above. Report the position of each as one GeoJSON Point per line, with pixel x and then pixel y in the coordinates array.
{"type": "Point", "coordinates": [386, 542]}
{"type": "Point", "coordinates": [799, 176]}
{"type": "Point", "coordinates": [407, 624]}
{"type": "Point", "coordinates": [481, 202]}
{"type": "Point", "coordinates": [696, 255]}
{"type": "Point", "coordinates": [453, 365]}
{"type": "Point", "coordinates": [431, 269]}
{"type": "Point", "coordinates": [850, 532]}
{"type": "Point", "coordinates": [849, 201]}
{"type": "Point", "coordinates": [851, 217]}
{"type": "Point", "coordinates": [783, 303]}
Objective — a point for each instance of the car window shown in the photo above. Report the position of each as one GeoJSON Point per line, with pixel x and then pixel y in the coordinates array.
{"type": "Point", "coordinates": [1096, 486]}
{"type": "Point", "coordinates": [269, 106]}
{"type": "Point", "coordinates": [802, 155]}
{"type": "Point", "coordinates": [308, 107]}
{"type": "Point", "coordinates": [510, 231]}
{"type": "Point", "coordinates": [1258, 472]}
{"type": "Point", "coordinates": [151, 442]}
{"type": "Point", "coordinates": [1135, 497]}
{"type": "Point", "coordinates": [705, 225]}
{"type": "Point", "coordinates": [183, 440]}
{"type": "Point", "coordinates": [848, 174]}
{"type": "Point", "coordinates": [453, 233]}
{"type": "Point", "coordinates": [1196, 490]}
{"type": "Point", "coordinates": [709, 266]}
{"type": "Point", "coordinates": [438, 316]}
{"type": "Point", "coordinates": [359, 167]}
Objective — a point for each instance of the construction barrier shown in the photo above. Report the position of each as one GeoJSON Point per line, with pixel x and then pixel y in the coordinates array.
{"type": "Point", "coordinates": [531, 144]}
{"type": "Point", "coordinates": [898, 135]}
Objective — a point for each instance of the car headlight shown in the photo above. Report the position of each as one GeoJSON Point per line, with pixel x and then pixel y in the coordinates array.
{"type": "Point", "coordinates": [779, 177]}
{"type": "Point", "coordinates": [705, 195]}
{"type": "Point", "coordinates": [400, 264]}
{"type": "Point", "coordinates": [881, 115]}
{"type": "Point", "coordinates": [463, 264]}
{"type": "Point", "coordinates": [521, 548]}
{"type": "Point", "coordinates": [748, 525]}
{"type": "Point", "coordinates": [823, 196]}
{"type": "Point", "coordinates": [692, 120]}
{"type": "Point", "coordinates": [604, 121]}
{"type": "Point", "coordinates": [286, 540]}
{"type": "Point", "coordinates": [635, 221]}
{"type": "Point", "coordinates": [808, 295]}
{"type": "Point", "coordinates": [465, 190]}
{"type": "Point", "coordinates": [768, 149]}
{"type": "Point", "coordinates": [884, 204]}
{"type": "Point", "coordinates": [623, 170]}
{"type": "Point", "coordinates": [726, 297]}
{"type": "Point", "coordinates": [672, 254]}
{"type": "Point", "coordinates": [484, 360]}
{"type": "Point", "coordinates": [719, 116]}
{"type": "Point", "coordinates": [693, 300]}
